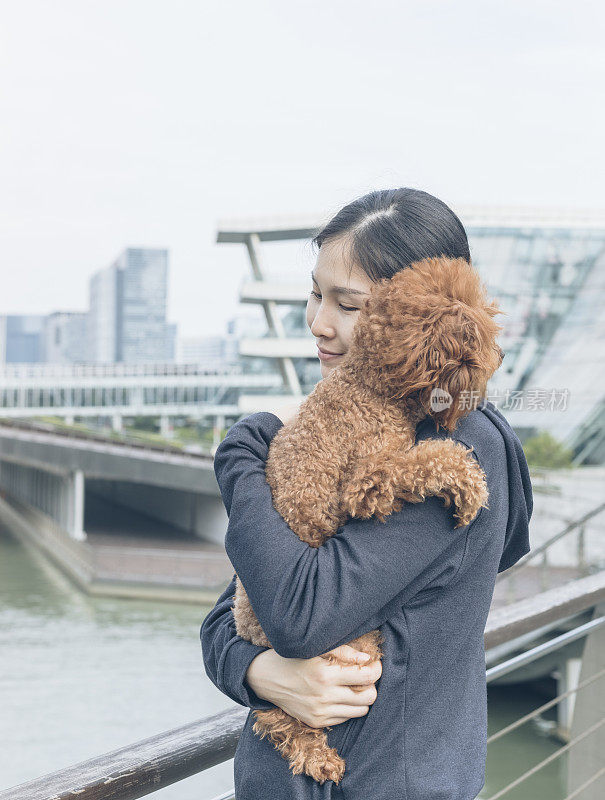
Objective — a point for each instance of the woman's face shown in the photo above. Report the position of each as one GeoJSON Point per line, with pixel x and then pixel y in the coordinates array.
{"type": "Point", "coordinates": [334, 303]}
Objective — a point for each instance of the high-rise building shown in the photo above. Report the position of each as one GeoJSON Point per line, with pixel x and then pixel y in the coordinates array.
{"type": "Point", "coordinates": [103, 315]}
{"type": "Point", "coordinates": [171, 341]}
{"type": "Point", "coordinates": [127, 319]}
{"type": "Point", "coordinates": [65, 338]}
{"type": "Point", "coordinates": [22, 338]}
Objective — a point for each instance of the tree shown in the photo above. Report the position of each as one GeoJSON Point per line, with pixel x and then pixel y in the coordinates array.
{"type": "Point", "coordinates": [543, 450]}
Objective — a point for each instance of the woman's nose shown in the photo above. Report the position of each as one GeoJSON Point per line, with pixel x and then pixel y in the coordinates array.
{"type": "Point", "coordinates": [321, 327]}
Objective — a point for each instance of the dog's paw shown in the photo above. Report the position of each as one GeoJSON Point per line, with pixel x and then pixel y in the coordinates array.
{"type": "Point", "coordinates": [363, 503]}
{"type": "Point", "coordinates": [369, 493]}
{"type": "Point", "coordinates": [330, 768]}
{"type": "Point", "coordinates": [469, 503]}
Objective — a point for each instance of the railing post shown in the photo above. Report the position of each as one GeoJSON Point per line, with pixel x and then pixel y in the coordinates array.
{"type": "Point", "coordinates": [586, 758]}
{"type": "Point", "coordinates": [512, 585]}
{"type": "Point", "coordinates": [568, 679]}
{"type": "Point", "coordinates": [581, 551]}
{"type": "Point", "coordinates": [544, 571]}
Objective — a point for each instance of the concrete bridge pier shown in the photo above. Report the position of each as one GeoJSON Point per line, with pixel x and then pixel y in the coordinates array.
{"type": "Point", "coordinates": [568, 677]}
{"type": "Point", "coordinates": [165, 427]}
{"type": "Point", "coordinates": [219, 424]}
{"type": "Point", "coordinates": [59, 495]}
{"type": "Point", "coordinates": [193, 513]}
{"type": "Point", "coordinates": [76, 493]}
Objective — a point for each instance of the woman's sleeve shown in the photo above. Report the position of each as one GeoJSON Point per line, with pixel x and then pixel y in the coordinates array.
{"type": "Point", "coordinates": [309, 600]}
{"type": "Point", "coordinates": [226, 655]}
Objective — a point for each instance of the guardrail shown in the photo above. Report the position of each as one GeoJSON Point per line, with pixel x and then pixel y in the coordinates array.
{"type": "Point", "coordinates": [581, 565]}
{"type": "Point", "coordinates": [154, 763]}
{"type": "Point", "coordinates": [118, 370]}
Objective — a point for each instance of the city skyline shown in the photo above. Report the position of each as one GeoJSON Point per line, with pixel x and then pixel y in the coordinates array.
{"type": "Point", "coordinates": [154, 139]}
{"type": "Point", "coordinates": [125, 321]}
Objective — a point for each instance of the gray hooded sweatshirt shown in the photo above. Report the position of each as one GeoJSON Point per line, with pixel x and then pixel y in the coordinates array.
{"type": "Point", "coordinates": [427, 586]}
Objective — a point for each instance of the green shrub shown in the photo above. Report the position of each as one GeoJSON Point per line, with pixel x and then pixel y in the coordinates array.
{"type": "Point", "coordinates": [543, 450]}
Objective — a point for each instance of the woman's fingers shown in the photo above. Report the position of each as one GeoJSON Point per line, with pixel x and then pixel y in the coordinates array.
{"type": "Point", "coordinates": [345, 691]}
{"type": "Point", "coordinates": [343, 713]}
{"type": "Point", "coordinates": [345, 695]}
{"type": "Point", "coordinates": [355, 675]}
{"type": "Point", "coordinates": [347, 653]}
{"type": "Point", "coordinates": [350, 684]}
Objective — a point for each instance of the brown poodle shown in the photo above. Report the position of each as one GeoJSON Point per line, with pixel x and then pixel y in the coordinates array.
{"type": "Point", "coordinates": [423, 335]}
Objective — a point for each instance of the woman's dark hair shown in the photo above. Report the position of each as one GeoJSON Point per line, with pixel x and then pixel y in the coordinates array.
{"type": "Point", "coordinates": [388, 229]}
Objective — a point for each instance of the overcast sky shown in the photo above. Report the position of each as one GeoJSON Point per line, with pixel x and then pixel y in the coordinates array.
{"type": "Point", "coordinates": [144, 122]}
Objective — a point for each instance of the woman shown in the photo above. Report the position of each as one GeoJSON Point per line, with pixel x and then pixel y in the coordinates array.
{"type": "Point", "coordinates": [419, 730]}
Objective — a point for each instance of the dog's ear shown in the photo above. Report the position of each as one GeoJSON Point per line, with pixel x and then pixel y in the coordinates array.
{"type": "Point", "coordinates": [459, 358]}
{"type": "Point", "coordinates": [429, 332]}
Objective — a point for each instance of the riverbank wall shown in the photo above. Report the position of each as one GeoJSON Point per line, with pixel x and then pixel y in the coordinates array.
{"type": "Point", "coordinates": [182, 571]}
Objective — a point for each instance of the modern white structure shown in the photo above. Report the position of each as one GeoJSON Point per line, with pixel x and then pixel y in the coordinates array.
{"type": "Point", "coordinates": [117, 390]}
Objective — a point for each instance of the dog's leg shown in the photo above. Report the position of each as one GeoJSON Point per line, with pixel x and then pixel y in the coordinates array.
{"type": "Point", "coordinates": [304, 747]}
{"type": "Point", "coordinates": [307, 748]}
{"type": "Point", "coordinates": [445, 468]}
{"type": "Point", "coordinates": [246, 623]}
{"type": "Point", "coordinates": [434, 467]}
{"type": "Point", "coordinates": [371, 488]}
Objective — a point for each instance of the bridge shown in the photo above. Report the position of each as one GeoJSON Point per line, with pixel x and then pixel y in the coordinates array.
{"type": "Point", "coordinates": [120, 518]}
{"type": "Point", "coordinates": [117, 390]}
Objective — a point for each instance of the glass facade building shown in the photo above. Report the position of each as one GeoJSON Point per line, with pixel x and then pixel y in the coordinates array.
{"type": "Point", "coordinates": [65, 338]}
{"type": "Point", "coordinates": [128, 309]}
{"type": "Point", "coordinates": [22, 338]}
{"type": "Point", "coordinates": [549, 279]}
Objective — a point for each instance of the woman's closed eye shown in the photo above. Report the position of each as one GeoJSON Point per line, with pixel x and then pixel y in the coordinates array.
{"type": "Point", "coordinates": [344, 308]}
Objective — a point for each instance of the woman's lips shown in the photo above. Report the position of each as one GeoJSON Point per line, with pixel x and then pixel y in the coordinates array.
{"type": "Point", "coordinates": [328, 356]}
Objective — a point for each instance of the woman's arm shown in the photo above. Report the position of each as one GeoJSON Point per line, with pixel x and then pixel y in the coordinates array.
{"type": "Point", "coordinates": [226, 655]}
{"type": "Point", "coordinates": [310, 600]}
{"type": "Point", "coordinates": [312, 690]}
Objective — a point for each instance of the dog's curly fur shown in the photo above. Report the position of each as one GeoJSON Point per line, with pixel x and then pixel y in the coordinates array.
{"type": "Point", "coordinates": [350, 452]}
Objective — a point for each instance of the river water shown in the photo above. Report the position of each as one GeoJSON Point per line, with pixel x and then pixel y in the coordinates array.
{"type": "Point", "coordinates": [81, 676]}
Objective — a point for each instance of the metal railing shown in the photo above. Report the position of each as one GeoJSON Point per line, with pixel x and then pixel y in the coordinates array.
{"type": "Point", "coordinates": [581, 565]}
{"type": "Point", "coordinates": [159, 761]}
{"type": "Point", "coordinates": [119, 370]}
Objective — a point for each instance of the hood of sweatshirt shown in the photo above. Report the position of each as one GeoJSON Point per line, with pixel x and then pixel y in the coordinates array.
{"type": "Point", "coordinates": [521, 503]}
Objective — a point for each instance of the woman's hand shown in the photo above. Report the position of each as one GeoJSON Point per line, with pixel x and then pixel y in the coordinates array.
{"type": "Point", "coordinates": [313, 690]}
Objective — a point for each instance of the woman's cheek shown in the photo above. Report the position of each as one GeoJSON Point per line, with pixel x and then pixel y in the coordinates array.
{"type": "Point", "coordinates": [310, 315]}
